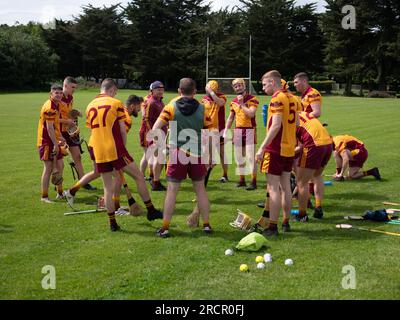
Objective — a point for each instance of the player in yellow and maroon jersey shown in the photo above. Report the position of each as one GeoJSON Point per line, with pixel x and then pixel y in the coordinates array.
{"type": "Point", "coordinates": [315, 149]}
{"type": "Point", "coordinates": [133, 105]}
{"type": "Point", "coordinates": [243, 111]}
{"type": "Point", "coordinates": [105, 116]}
{"type": "Point", "coordinates": [311, 99]}
{"type": "Point", "coordinates": [144, 128]}
{"type": "Point", "coordinates": [48, 139]}
{"type": "Point", "coordinates": [277, 150]}
{"type": "Point", "coordinates": [350, 155]}
{"type": "Point", "coordinates": [66, 105]}
{"type": "Point", "coordinates": [153, 106]}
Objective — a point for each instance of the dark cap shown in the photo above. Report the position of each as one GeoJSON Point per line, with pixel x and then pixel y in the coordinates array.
{"type": "Point", "coordinates": [156, 85]}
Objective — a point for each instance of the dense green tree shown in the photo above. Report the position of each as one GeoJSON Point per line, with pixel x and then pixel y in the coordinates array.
{"type": "Point", "coordinates": [99, 33]}
{"type": "Point", "coordinates": [64, 43]}
{"type": "Point", "coordinates": [169, 38]}
{"type": "Point", "coordinates": [26, 62]}
{"type": "Point", "coordinates": [285, 37]}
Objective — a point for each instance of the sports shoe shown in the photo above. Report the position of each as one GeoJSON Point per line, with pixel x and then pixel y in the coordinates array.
{"type": "Point", "coordinates": [318, 214]}
{"type": "Point", "coordinates": [122, 212]}
{"type": "Point", "coordinates": [302, 219]}
{"type": "Point", "coordinates": [156, 214]}
{"type": "Point", "coordinates": [286, 227]}
{"type": "Point", "coordinates": [223, 180]}
{"type": "Point", "coordinates": [240, 184]}
{"type": "Point", "coordinates": [158, 187]}
{"type": "Point", "coordinates": [375, 173]}
{"type": "Point", "coordinates": [256, 228]}
{"type": "Point", "coordinates": [270, 233]}
{"type": "Point", "coordinates": [46, 200]}
{"type": "Point", "coordinates": [60, 196]}
{"type": "Point", "coordinates": [163, 233]}
{"type": "Point", "coordinates": [261, 204]}
{"type": "Point", "coordinates": [69, 198]}
{"type": "Point", "coordinates": [207, 229]}
{"type": "Point", "coordinates": [115, 227]}
{"type": "Point", "coordinates": [89, 187]}
{"type": "Point", "coordinates": [252, 186]}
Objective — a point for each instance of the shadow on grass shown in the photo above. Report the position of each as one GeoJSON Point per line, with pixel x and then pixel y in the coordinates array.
{"type": "Point", "coordinates": [4, 228]}
{"type": "Point", "coordinates": [359, 196]}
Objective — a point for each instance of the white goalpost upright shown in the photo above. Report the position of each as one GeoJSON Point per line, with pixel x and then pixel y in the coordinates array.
{"type": "Point", "coordinates": [225, 83]}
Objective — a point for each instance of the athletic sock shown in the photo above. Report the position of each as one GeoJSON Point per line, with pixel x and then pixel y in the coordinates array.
{"type": "Point", "coordinates": [338, 170]}
{"type": "Point", "coordinates": [273, 225]}
{"type": "Point", "coordinates": [45, 194]}
{"type": "Point", "coordinates": [318, 202]}
{"type": "Point", "coordinates": [75, 188]}
{"type": "Point", "coordinates": [286, 221]}
{"type": "Point", "coordinates": [263, 221]}
{"type": "Point", "coordinates": [111, 217]}
{"type": "Point", "coordinates": [254, 179]}
{"type": "Point", "coordinates": [59, 188]}
{"type": "Point", "coordinates": [131, 201]}
{"type": "Point", "coordinates": [116, 202]}
{"type": "Point", "coordinates": [369, 172]}
{"type": "Point", "coordinates": [165, 225]}
{"type": "Point", "coordinates": [302, 213]}
{"type": "Point", "coordinates": [149, 206]}
{"type": "Point", "coordinates": [242, 179]}
{"type": "Point", "coordinates": [156, 183]}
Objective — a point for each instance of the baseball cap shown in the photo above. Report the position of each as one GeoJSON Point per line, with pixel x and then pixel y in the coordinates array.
{"type": "Point", "coordinates": [156, 85]}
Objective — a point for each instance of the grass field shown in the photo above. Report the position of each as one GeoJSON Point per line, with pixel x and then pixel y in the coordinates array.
{"type": "Point", "coordinates": [93, 263]}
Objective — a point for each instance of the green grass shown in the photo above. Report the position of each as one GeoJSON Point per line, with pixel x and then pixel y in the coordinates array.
{"type": "Point", "coordinates": [93, 263]}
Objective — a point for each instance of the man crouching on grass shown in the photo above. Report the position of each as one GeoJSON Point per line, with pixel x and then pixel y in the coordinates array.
{"type": "Point", "coordinates": [185, 115]}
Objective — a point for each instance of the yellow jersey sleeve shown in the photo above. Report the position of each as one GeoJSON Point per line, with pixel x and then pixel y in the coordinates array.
{"type": "Point", "coordinates": [167, 114]}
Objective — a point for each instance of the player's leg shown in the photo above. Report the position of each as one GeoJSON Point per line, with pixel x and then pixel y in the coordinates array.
{"type": "Point", "coordinates": [250, 156]}
{"type": "Point", "coordinates": [224, 165]}
{"type": "Point", "coordinates": [157, 168]}
{"type": "Point", "coordinates": [108, 186]}
{"type": "Point", "coordinates": [274, 204]}
{"type": "Point", "coordinates": [117, 189]}
{"type": "Point", "coordinates": [303, 177]}
{"type": "Point", "coordinates": [319, 190]}
{"type": "Point", "coordinates": [169, 207]}
{"type": "Point", "coordinates": [203, 203]}
{"type": "Point", "coordinates": [286, 199]}
{"type": "Point", "coordinates": [76, 157]}
{"type": "Point", "coordinates": [45, 180]}
{"type": "Point", "coordinates": [133, 170]}
{"type": "Point", "coordinates": [59, 187]}
{"type": "Point", "coordinates": [240, 153]}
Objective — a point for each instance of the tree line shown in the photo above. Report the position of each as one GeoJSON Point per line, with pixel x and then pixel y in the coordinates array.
{"type": "Point", "coordinates": [166, 40]}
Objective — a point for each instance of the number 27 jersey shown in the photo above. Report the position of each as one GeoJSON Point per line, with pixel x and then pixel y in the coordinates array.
{"type": "Point", "coordinates": [103, 116]}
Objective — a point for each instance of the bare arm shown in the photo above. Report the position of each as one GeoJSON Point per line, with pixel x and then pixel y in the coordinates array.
{"type": "Point", "coordinates": [122, 129]}
{"type": "Point", "coordinates": [229, 123]}
{"type": "Point", "coordinates": [316, 106]}
{"type": "Point", "coordinates": [346, 160]}
{"type": "Point", "coordinates": [52, 135]}
{"type": "Point", "coordinates": [249, 112]}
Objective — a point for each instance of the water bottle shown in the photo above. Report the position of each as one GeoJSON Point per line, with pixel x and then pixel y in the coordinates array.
{"type": "Point", "coordinates": [265, 114]}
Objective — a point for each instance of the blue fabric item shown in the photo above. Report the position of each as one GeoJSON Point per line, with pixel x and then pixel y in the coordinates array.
{"type": "Point", "coordinates": [377, 215]}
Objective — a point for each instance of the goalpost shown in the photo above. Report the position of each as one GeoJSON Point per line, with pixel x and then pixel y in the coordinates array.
{"type": "Point", "coordinates": [225, 84]}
